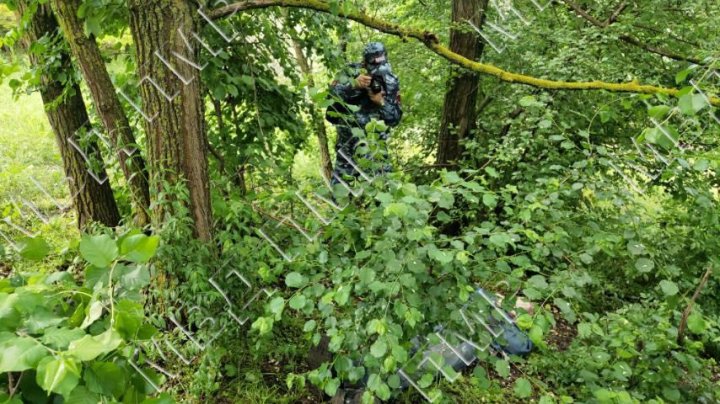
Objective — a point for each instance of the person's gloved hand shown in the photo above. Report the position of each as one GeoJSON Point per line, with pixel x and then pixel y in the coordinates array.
{"type": "Point", "coordinates": [362, 81]}
{"type": "Point", "coordinates": [377, 98]}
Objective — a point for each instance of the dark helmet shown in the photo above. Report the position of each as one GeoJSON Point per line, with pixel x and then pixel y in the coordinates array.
{"type": "Point", "coordinates": [374, 54]}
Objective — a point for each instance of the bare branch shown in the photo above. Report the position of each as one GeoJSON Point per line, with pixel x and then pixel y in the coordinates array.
{"type": "Point", "coordinates": [688, 309]}
{"type": "Point", "coordinates": [616, 13]}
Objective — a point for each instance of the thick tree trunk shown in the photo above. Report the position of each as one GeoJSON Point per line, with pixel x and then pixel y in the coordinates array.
{"type": "Point", "coordinates": [460, 99]}
{"type": "Point", "coordinates": [108, 105]}
{"type": "Point", "coordinates": [176, 137]}
{"type": "Point", "coordinates": [318, 120]}
{"type": "Point", "coordinates": [92, 196]}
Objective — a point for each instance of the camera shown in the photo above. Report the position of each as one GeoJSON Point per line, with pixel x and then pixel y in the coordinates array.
{"type": "Point", "coordinates": [381, 75]}
{"type": "Point", "coordinates": [377, 84]}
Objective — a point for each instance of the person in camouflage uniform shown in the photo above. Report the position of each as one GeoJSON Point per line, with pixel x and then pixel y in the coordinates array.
{"type": "Point", "coordinates": [354, 88]}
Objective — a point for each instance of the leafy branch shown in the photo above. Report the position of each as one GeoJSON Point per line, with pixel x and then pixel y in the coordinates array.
{"type": "Point", "coordinates": [688, 309]}
{"type": "Point", "coordinates": [431, 41]}
{"type": "Point", "coordinates": [627, 38]}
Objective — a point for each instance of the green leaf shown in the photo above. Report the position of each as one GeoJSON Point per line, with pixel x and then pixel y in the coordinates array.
{"type": "Point", "coordinates": [88, 348]}
{"type": "Point", "coordinates": [604, 395]}
{"type": "Point", "coordinates": [443, 257]}
{"type": "Point", "coordinates": [524, 321]}
{"type": "Point", "coordinates": [58, 375]}
{"type": "Point", "coordinates": [40, 319]}
{"type": "Point", "coordinates": [100, 250]}
{"type": "Point", "coordinates": [489, 200]}
{"type": "Point", "coordinates": [263, 324]}
{"type": "Point", "coordinates": [383, 392]}
{"type": "Point", "coordinates": [93, 26]}
{"type": "Point", "coordinates": [399, 353]}
{"type": "Point", "coordinates": [105, 378]}
{"type": "Point", "coordinates": [522, 388]}
{"type": "Point", "coordinates": [343, 364]}
{"type": "Point", "coordinates": [5, 399]}
{"type": "Point", "coordinates": [682, 75]}
{"type": "Point", "coordinates": [669, 288]}
{"type": "Point", "coordinates": [396, 209]}
{"type": "Point", "coordinates": [658, 111]}
{"type": "Point", "coordinates": [426, 380]}
{"type": "Point", "coordinates": [331, 386]}
{"type": "Point", "coordinates": [295, 280]}
{"type": "Point", "coordinates": [248, 80]}
{"type": "Point", "coordinates": [95, 275]}
{"type": "Point", "coordinates": [297, 302]}
{"type": "Point", "coordinates": [163, 398]}
{"type": "Point", "coordinates": [374, 382]}
{"type": "Point", "coordinates": [9, 315]}
{"type": "Point", "coordinates": [492, 172]}
{"type": "Point", "coordinates": [502, 367]}
{"type": "Point", "coordinates": [500, 239]}
{"type": "Point", "coordinates": [644, 265]}
{"type": "Point", "coordinates": [309, 325]}
{"type": "Point", "coordinates": [696, 324]}
{"type": "Point", "coordinates": [690, 103]}
{"type": "Point", "coordinates": [701, 165]}
{"type": "Point", "coordinates": [527, 101]}
{"type": "Point", "coordinates": [60, 338]}
{"type": "Point", "coordinates": [277, 305]}
{"type": "Point", "coordinates": [34, 249]}
{"type": "Point", "coordinates": [135, 278]}
{"type": "Point", "coordinates": [342, 295]}
{"type": "Point", "coordinates": [536, 335]}
{"type": "Point", "coordinates": [635, 247]}
{"type": "Point", "coordinates": [82, 395]}
{"type": "Point", "coordinates": [378, 349]}
{"type": "Point", "coordinates": [20, 353]}
{"type": "Point", "coordinates": [366, 275]}
{"type": "Point", "coordinates": [538, 282]}
{"type": "Point", "coordinates": [128, 318]}
{"type": "Point", "coordinates": [94, 312]}
{"type": "Point", "coordinates": [139, 247]}
{"type": "Point", "coordinates": [376, 326]}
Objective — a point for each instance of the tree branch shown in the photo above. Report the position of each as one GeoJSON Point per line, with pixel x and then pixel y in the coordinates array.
{"type": "Point", "coordinates": [584, 14]}
{"type": "Point", "coordinates": [613, 17]}
{"type": "Point", "coordinates": [627, 38]}
{"type": "Point", "coordinates": [688, 309]}
{"type": "Point", "coordinates": [661, 32]}
{"type": "Point", "coordinates": [431, 41]}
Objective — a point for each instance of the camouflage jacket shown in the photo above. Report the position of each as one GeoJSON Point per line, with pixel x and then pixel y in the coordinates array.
{"type": "Point", "coordinates": [343, 92]}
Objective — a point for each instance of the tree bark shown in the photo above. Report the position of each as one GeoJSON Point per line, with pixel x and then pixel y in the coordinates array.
{"type": "Point", "coordinates": [458, 117]}
{"type": "Point", "coordinates": [176, 136]}
{"type": "Point", "coordinates": [92, 66]}
{"type": "Point", "coordinates": [318, 120]}
{"type": "Point", "coordinates": [92, 198]}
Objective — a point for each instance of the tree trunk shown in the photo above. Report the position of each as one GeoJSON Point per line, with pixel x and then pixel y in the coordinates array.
{"type": "Point", "coordinates": [318, 120]}
{"type": "Point", "coordinates": [108, 105]}
{"type": "Point", "coordinates": [93, 198]}
{"type": "Point", "coordinates": [460, 99]}
{"type": "Point", "coordinates": [176, 137]}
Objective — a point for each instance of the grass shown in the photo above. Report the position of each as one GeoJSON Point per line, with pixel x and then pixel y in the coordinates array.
{"type": "Point", "coordinates": [31, 172]}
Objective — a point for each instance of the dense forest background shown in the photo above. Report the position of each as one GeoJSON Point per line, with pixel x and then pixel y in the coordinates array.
{"type": "Point", "coordinates": [168, 232]}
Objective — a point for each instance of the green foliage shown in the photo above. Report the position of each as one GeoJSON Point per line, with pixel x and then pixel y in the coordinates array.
{"type": "Point", "coordinates": [76, 341]}
{"type": "Point", "coordinates": [630, 355]}
{"type": "Point", "coordinates": [563, 203]}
